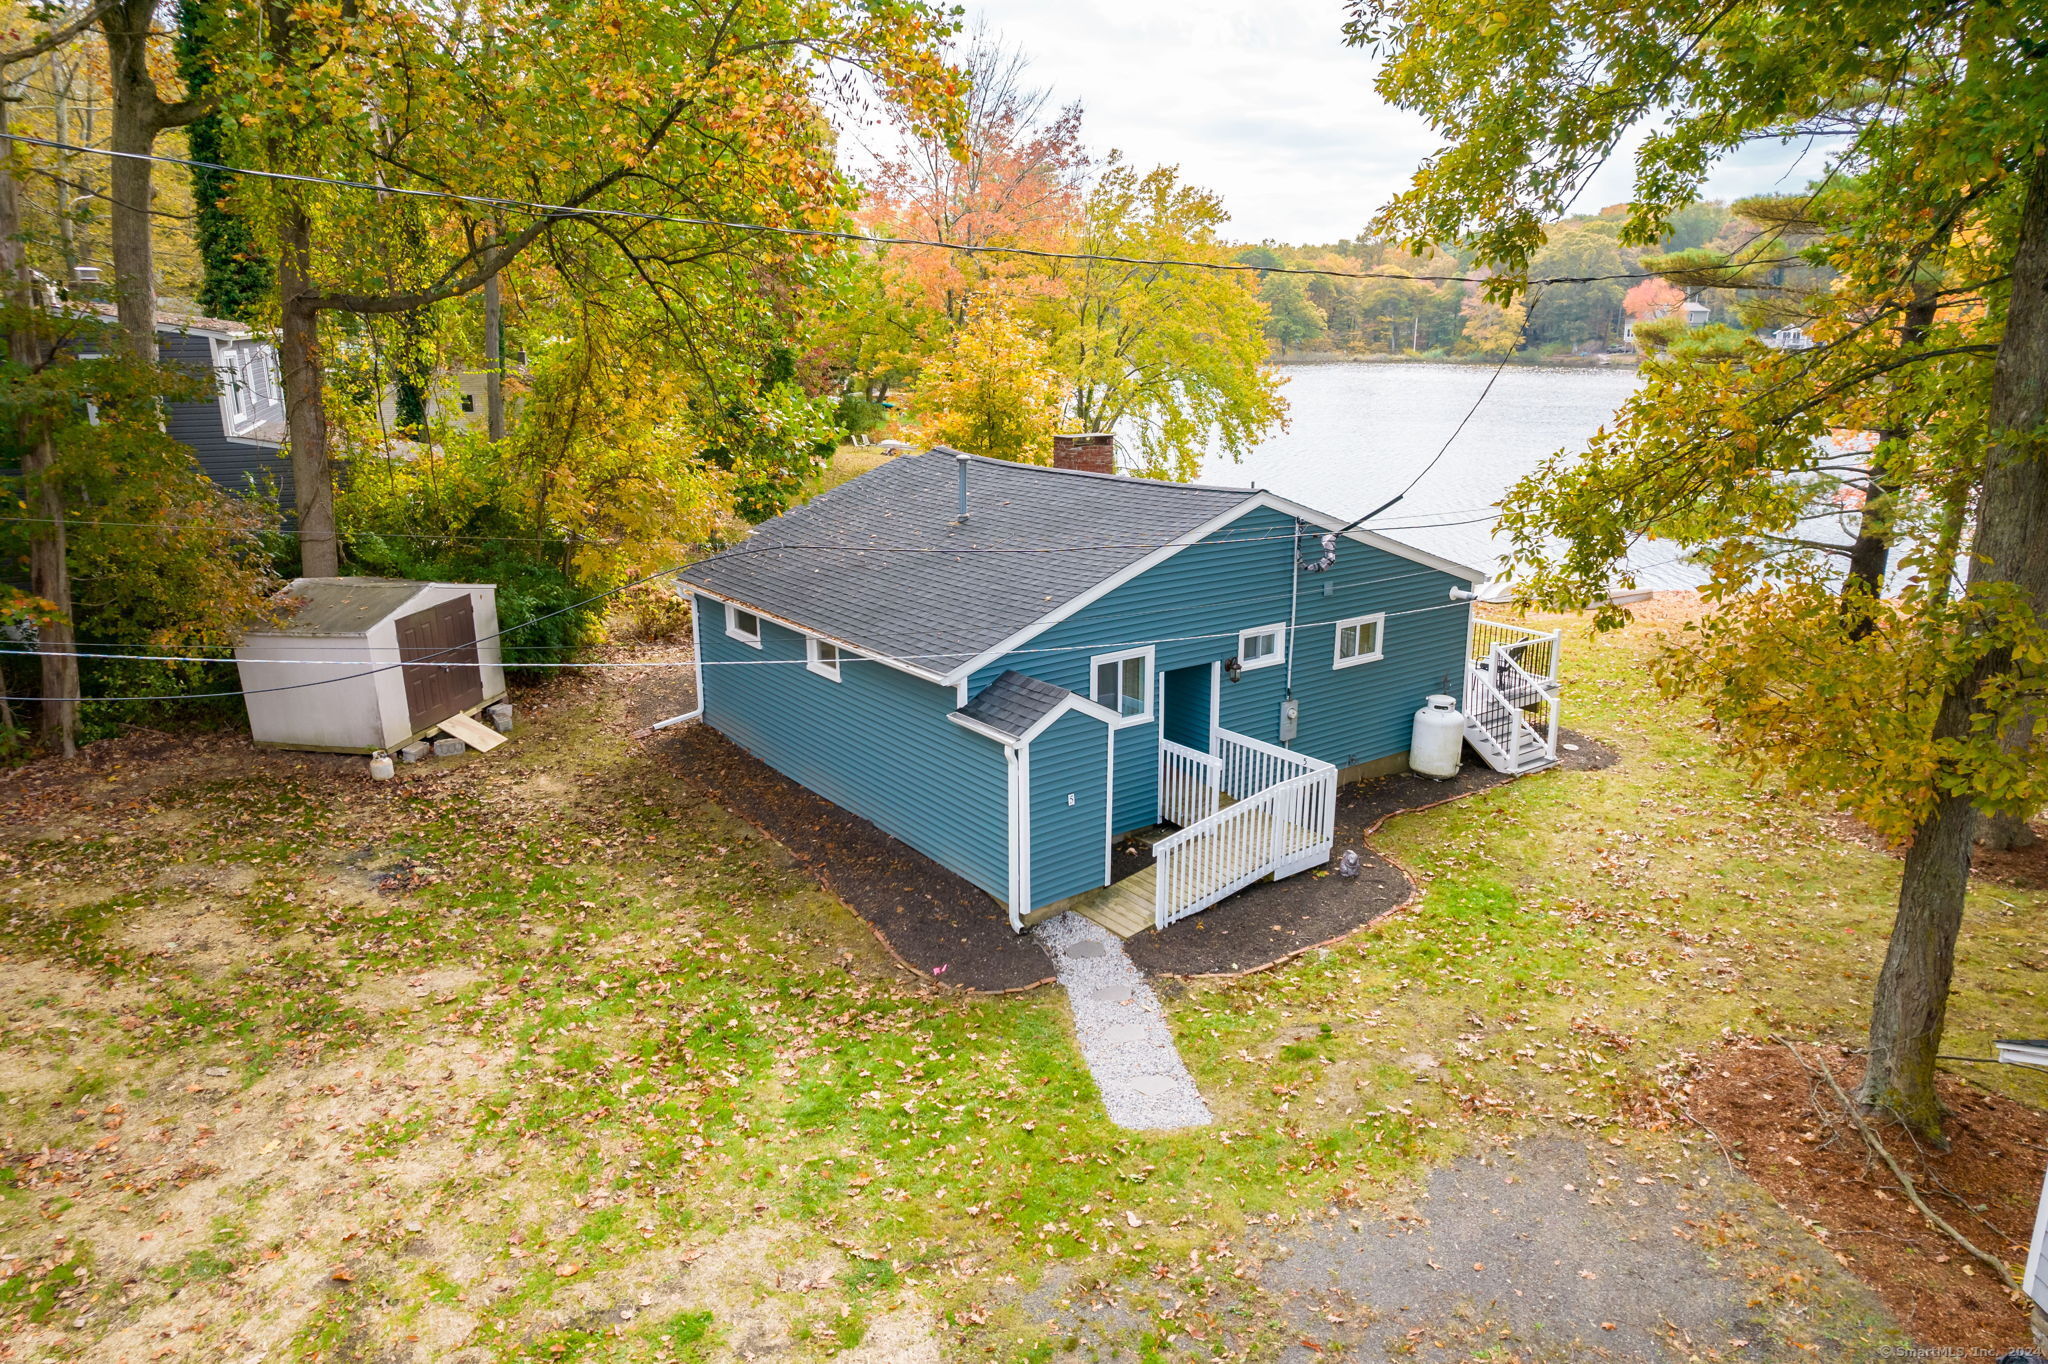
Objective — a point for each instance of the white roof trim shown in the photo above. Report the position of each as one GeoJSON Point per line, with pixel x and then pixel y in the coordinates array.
{"type": "Point", "coordinates": [1074, 702]}
{"type": "Point", "coordinates": [969, 723]}
{"type": "Point", "coordinates": [859, 650]}
{"type": "Point", "coordinates": [1202, 532]}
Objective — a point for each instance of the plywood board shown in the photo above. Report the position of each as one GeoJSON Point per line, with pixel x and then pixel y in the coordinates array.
{"type": "Point", "coordinates": [473, 732]}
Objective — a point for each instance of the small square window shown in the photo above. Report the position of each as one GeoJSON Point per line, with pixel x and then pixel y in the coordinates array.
{"type": "Point", "coordinates": [469, 402]}
{"type": "Point", "coordinates": [1358, 640]}
{"type": "Point", "coordinates": [1123, 683]}
{"type": "Point", "coordinates": [821, 656]}
{"type": "Point", "coordinates": [743, 625]}
{"type": "Point", "coordinates": [1262, 648]}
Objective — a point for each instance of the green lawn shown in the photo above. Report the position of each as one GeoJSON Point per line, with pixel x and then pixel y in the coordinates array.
{"type": "Point", "coordinates": [605, 1079]}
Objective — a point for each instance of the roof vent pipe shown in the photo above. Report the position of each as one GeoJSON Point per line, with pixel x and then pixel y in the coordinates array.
{"type": "Point", "coordinates": [960, 458]}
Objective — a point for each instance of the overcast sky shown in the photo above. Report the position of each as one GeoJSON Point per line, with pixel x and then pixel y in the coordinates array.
{"type": "Point", "coordinates": [1261, 101]}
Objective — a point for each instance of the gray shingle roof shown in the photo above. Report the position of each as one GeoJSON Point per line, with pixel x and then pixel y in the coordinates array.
{"type": "Point", "coordinates": [880, 563]}
{"type": "Point", "coordinates": [1013, 703]}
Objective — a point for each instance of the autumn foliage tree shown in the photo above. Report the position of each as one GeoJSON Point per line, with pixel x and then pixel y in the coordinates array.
{"type": "Point", "coordinates": [1913, 710]}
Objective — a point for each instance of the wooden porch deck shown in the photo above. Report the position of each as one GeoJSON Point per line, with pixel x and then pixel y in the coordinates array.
{"type": "Point", "coordinates": [1124, 908]}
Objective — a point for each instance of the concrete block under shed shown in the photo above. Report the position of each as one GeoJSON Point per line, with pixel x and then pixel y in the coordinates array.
{"type": "Point", "coordinates": [449, 748]}
{"type": "Point", "coordinates": [415, 751]}
{"type": "Point", "coordinates": [500, 717]}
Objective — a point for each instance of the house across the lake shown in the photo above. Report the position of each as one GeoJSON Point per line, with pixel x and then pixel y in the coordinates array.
{"type": "Point", "coordinates": [1008, 666]}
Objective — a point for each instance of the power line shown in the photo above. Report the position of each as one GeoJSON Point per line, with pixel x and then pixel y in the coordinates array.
{"type": "Point", "coordinates": [566, 211]}
{"type": "Point", "coordinates": [679, 663]}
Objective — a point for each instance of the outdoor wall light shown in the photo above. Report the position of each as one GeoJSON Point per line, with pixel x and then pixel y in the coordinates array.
{"type": "Point", "coordinates": [1233, 669]}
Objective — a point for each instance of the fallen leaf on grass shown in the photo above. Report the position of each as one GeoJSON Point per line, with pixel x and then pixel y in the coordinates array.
{"type": "Point", "coordinates": [566, 1269]}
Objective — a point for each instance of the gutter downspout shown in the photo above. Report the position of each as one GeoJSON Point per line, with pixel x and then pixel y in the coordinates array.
{"type": "Point", "coordinates": [1293, 606]}
{"type": "Point", "coordinates": [696, 666]}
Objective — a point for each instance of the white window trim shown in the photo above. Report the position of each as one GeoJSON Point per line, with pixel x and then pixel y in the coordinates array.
{"type": "Point", "coordinates": [1151, 673]}
{"type": "Point", "coordinates": [1272, 660]}
{"type": "Point", "coordinates": [732, 628]}
{"type": "Point", "coordinates": [814, 664]}
{"type": "Point", "coordinates": [1378, 621]}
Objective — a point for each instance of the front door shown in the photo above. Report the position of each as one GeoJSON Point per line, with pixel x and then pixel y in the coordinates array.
{"type": "Point", "coordinates": [1187, 705]}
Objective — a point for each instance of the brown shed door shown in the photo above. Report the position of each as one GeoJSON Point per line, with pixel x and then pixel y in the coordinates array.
{"type": "Point", "coordinates": [446, 678]}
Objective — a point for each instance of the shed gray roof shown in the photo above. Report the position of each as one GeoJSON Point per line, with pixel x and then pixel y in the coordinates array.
{"type": "Point", "coordinates": [1013, 703]}
{"type": "Point", "coordinates": [345, 606]}
{"type": "Point", "coordinates": [880, 563]}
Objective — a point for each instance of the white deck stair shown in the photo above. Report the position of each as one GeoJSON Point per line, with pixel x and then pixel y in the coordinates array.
{"type": "Point", "coordinates": [1511, 686]}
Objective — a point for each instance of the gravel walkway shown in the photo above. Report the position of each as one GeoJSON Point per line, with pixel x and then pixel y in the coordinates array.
{"type": "Point", "coordinates": [1122, 1030]}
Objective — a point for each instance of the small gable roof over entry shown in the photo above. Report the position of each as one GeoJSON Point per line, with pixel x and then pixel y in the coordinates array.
{"type": "Point", "coordinates": [880, 562]}
{"type": "Point", "coordinates": [1014, 702]}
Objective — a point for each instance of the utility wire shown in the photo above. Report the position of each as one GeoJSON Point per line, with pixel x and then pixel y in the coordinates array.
{"type": "Point", "coordinates": [565, 212]}
{"type": "Point", "coordinates": [678, 663]}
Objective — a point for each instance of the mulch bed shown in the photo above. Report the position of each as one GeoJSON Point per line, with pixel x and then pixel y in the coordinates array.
{"type": "Point", "coordinates": [1787, 1129]}
{"type": "Point", "coordinates": [934, 922]}
{"type": "Point", "coordinates": [942, 927]}
{"type": "Point", "coordinates": [2026, 867]}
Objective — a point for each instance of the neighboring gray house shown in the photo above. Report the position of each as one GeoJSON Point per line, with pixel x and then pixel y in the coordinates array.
{"type": "Point", "coordinates": [237, 434]}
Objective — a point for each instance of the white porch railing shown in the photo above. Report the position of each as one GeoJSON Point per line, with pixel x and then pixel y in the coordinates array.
{"type": "Point", "coordinates": [1511, 682]}
{"type": "Point", "coordinates": [1534, 651]}
{"type": "Point", "coordinates": [1283, 820]}
{"type": "Point", "coordinates": [1251, 765]}
{"type": "Point", "coordinates": [1188, 784]}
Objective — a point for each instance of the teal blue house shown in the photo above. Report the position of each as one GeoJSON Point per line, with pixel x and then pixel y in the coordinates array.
{"type": "Point", "coordinates": [1007, 666]}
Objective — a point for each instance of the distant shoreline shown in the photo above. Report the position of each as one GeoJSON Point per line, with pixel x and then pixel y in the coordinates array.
{"type": "Point", "coordinates": [1338, 357]}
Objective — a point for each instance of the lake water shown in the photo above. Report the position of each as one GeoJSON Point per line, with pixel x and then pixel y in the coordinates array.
{"type": "Point", "coordinates": [1358, 432]}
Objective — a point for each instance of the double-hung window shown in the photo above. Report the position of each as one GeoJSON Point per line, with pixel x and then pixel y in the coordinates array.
{"type": "Point", "coordinates": [821, 656]}
{"type": "Point", "coordinates": [1262, 647]}
{"type": "Point", "coordinates": [1123, 683]}
{"type": "Point", "coordinates": [742, 625]}
{"type": "Point", "coordinates": [1359, 640]}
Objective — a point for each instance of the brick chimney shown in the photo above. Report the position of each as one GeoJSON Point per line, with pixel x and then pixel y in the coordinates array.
{"type": "Point", "coordinates": [1092, 452]}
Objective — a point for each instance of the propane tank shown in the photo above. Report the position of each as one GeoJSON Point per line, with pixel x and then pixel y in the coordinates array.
{"type": "Point", "coordinates": [380, 766]}
{"type": "Point", "coordinates": [1436, 744]}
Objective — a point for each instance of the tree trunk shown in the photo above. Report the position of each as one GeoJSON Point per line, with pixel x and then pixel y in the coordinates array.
{"type": "Point", "coordinates": [1870, 556]}
{"type": "Point", "coordinates": [2006, 833]}
{"type": "Point", "coordinates": [48, 574]}
{"type": "Point", "coordinates": [494, 356]}
{"type": "Point", "coordinates": [2012, 548]}
{"type": "Point", "coordinates": [127, 29]}
{"type": "Point", "coordinates": [49, 577]}
{"type": "Point", "coordinates": [305, 410]}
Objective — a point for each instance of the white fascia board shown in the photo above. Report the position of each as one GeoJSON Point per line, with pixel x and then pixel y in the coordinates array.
{"type": "Point", "coordinates": [1376, 540]}
{"type": "Point", "coordinates": [1102, 589]}
{"type": "Point", "coordinates": [857, 650]}
{"type": "Point", "coordinates": [1051, 717]}
{"type": "Point", "coordinates": [1043, 723]}
{"type": "Point", "coordinates": [977, 727]}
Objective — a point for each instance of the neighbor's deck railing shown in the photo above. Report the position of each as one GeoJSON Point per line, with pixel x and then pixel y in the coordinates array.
{"type": "Point", "coordinates": [1283, 820]}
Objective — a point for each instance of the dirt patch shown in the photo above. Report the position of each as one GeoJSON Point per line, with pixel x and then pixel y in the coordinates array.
{"type": "Point", "coordinates": [1785, 1126]}
{"type": "Point", "coordinates": [414, 989]}
{"type": "Point", "coordinates": [935, 923]}
{"type": "Point", "coordinates": [1270, 922]}
{"type": "Point", "coordinates": [198, 936]}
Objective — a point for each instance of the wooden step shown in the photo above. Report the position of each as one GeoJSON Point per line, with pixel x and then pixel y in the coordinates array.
{"type": "Point", "coordinates": [1124, 908]}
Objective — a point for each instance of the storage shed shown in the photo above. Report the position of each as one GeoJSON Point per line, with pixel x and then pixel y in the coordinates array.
{"type": "Point", "coordinates": [370, 663]}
